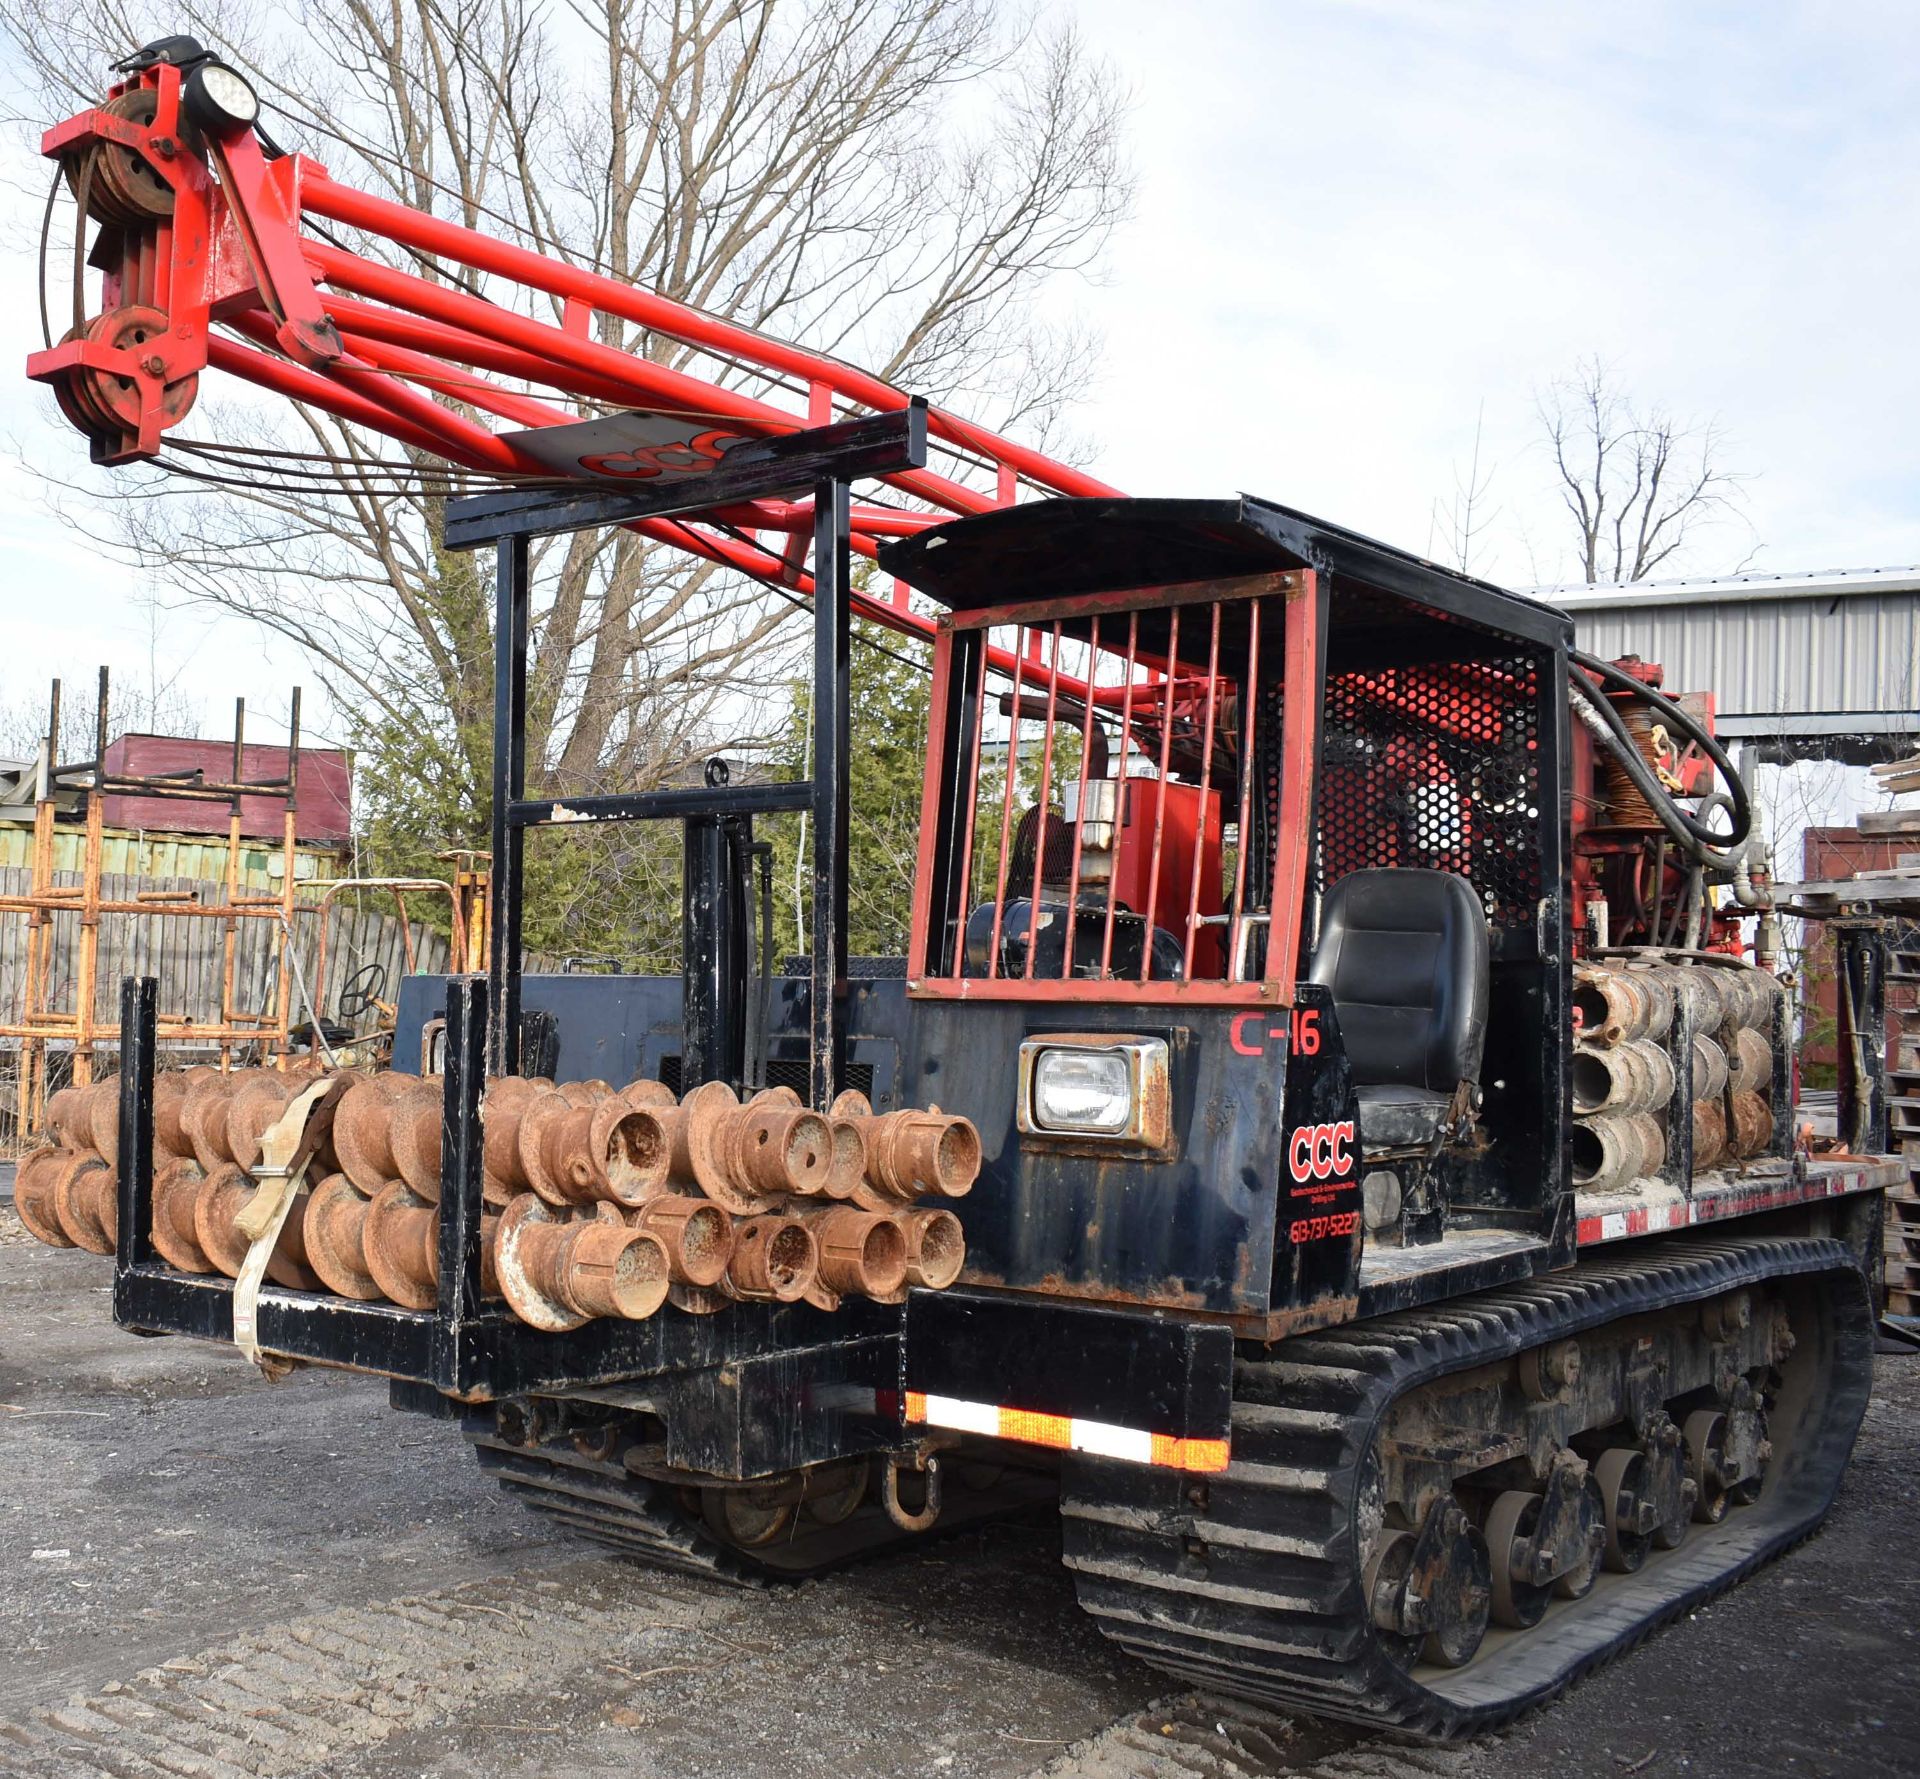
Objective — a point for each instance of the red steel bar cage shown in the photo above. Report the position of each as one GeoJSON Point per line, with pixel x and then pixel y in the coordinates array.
{"type": "Point", "coordinates": [1091, 838]}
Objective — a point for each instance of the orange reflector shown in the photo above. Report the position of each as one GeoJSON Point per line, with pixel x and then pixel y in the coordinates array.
{"type": "Point", "coordinates": [1210, 1455]}
{"type": "Point", "coordinates": [1065, 1433]}
{"type": "Point", "coordinates": [1031, 1427]}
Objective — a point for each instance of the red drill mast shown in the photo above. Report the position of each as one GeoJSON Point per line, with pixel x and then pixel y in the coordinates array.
{"type": "Point", "coordinates": [211, 258]}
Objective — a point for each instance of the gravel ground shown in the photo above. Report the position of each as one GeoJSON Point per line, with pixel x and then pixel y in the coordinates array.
{"type": "Point", "coordinates": [202, 1574]}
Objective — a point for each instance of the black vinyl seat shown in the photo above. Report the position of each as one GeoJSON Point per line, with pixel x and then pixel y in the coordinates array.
{"type": "Point", "coordinates": [1405, 954]}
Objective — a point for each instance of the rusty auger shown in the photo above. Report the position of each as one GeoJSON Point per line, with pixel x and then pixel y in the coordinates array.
{"type": "Point", "coordinates": [598, 1201]}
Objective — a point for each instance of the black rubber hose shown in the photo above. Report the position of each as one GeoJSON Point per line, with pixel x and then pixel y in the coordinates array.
{"type": "Point", "coordinates": [1685, 830]}
{"type": "Point", "coordinates": [1677, 717]}
{"type": "Point", "coordinates": [1740, 816]}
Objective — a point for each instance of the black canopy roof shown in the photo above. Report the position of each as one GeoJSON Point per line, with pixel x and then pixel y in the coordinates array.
{"type": "Point", "coordinates": [1109, 544]}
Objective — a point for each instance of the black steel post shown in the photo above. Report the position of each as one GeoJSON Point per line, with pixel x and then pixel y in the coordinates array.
{"type": "Point", "coordinates": [239, 754]}
{"type": "Point", "coordinates": [293, 752]}
{"type": "Point", "coordinates": [1677, 1169]}
{"type": "Point", "coordinates": [1780, 1090]}
{"type": "Point", "coordinates": [741, 976]}
{"type": "Point", "coordinates": [832, 698]}
{"type": "Point", "coordinates": [460, 1173]}
{"type": "Point", "coordinates": [1861, 952]}
{"type": "Point", "coordinates": [1554, 936]}
{"type": "Point", "coordinates": [511, 598]}
{"type": "Point", "coordinates": [760, 949]}
{"type": "Point", "coordinates": [946, 893]}
{"type": "Point", "coordinates": [139, 1018]}
{"type": "Point", "coordinates": [714, 960]}
{"type": "Point", "coordinates": [700, 986]}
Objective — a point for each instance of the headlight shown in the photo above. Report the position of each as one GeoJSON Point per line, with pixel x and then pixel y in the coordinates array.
{"type": "Point", "coordinates": [1082, 1090]}
{"type": "Point", "coordinates": [1092, 1087]}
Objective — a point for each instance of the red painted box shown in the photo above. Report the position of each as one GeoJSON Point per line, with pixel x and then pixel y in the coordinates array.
{"type": "Point", "coordinates": [322, 811]}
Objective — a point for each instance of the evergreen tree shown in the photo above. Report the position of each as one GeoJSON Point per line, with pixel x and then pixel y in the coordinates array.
{"type": "Point", "coordinates": [891, 691]}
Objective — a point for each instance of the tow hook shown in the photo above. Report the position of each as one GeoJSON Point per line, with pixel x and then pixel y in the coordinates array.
{"type": "Point", "coordinates": [927, 1463]}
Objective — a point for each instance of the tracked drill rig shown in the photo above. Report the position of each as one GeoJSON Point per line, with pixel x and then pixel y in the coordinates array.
{"type": "Point", "coordinates": [1386, 1226]}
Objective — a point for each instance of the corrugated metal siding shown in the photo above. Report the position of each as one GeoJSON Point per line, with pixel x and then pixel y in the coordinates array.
{"type": "Point", "coordinates": [127, 852]}
{"type": "Point", "coordinates": [1833, 656]}
{"type": "Point", "coordinates": [323, 812]}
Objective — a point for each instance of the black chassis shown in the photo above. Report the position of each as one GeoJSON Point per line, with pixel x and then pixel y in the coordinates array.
{"type": "Point", "coordinates": [1107, 1291]}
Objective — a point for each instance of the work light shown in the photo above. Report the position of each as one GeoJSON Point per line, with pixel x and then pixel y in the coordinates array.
{"type": "Point", "coordinates": [219, 100]}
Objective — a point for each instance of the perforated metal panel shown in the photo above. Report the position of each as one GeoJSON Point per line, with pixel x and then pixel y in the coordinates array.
{"type": "Point", "coordinates": [782, 1071]}
{"type": "Point", "coordinates": [1437, 766]}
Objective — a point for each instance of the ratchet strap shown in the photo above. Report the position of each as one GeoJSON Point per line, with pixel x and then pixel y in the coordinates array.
{"type": "Point", "coordinates": [286, 1150]}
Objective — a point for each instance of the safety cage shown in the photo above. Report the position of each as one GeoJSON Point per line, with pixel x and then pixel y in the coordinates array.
{"type": "Point", "coordinates": [1089, 797]}
{"type": "Point", "coordinates": [1140, 787]}
{"type": "Point", "coordinates": [1088, 748]}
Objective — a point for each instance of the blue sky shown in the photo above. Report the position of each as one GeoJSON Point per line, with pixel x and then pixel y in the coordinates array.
{"type": "Point", "coordinates": [1361, 223]}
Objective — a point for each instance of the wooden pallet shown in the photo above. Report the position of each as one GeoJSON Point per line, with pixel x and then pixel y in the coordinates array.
{"type": "Point", "coordinates": [1901, 1242]}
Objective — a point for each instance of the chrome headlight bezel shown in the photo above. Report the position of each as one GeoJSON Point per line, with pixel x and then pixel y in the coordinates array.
{"type": "Point", "coordinates": [1147, 1125]}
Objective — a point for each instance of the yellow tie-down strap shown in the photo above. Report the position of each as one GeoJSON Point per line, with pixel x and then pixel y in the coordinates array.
{"type": "Point", "coordinates": [286, 1151]}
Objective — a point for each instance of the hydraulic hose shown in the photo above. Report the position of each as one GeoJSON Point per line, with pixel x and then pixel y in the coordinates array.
{"type": "Point", "coordinates": [1694, 836]}
{"type": "Point", "coordinates": [1740, 858]}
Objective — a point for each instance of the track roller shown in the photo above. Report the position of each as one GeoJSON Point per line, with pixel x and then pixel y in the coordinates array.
{"type": "Point", "coordinates": [1419, 1508]}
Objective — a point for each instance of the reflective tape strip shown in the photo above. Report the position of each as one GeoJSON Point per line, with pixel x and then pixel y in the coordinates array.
{"type": "Point", "coordinates": [1210, 1455]}
{"type": "Point", "coordinates": [1102, 1441]}
{"type": "Point", "coordinates": [1065, 1433]}
{"type": "Point", "coordinates": [1715, 1199]}
{"type": "Point", "coordinates": [949, 1411]}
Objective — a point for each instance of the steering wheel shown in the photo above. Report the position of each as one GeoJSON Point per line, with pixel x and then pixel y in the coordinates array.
{"type": "Point", "coordinates": [363, 989]}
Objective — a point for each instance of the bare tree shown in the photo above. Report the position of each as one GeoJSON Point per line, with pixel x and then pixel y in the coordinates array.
{"type": "Point", "coordinates": [1639, 487]}
{"type": "Point", "coordinates": [890, 180]}
{"type": "Point", "coordinates": [158, 707]}
{"type": "Point", "coordinates": [1460, 524]}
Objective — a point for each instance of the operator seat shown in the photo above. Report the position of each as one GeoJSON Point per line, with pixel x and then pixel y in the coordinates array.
{"type": "Point", "coordinates": [1404, 953]}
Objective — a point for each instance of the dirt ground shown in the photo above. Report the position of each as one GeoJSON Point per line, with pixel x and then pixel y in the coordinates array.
{"type": "Point", "coordinates": [205, 1575]}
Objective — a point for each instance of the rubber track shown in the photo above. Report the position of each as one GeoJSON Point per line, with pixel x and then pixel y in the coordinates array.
{"type": "Point", "coordinates": [608, 1504]}
{"type": "Point", "coordinates": [1251, 1588]}
{"type": "Point", "coordinates": [643, 1519]}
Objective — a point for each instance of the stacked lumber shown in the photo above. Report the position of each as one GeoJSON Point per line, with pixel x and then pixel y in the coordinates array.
{"type": "Point", "coordinates": [1895, 777]}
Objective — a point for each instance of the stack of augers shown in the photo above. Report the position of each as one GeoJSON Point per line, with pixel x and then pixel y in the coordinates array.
{"type": "Point", "coordinates": [599, 1201]}
{"type": "Point", "coordinates": [1630, 1082]}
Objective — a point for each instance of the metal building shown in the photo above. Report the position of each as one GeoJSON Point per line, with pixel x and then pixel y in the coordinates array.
{"type": "Point", "coordinates": [1814, 664]}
